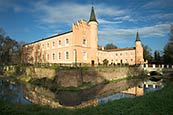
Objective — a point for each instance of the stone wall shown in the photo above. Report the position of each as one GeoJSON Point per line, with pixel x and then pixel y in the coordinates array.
{"type": "Point", "coordinates": [77, 77]}
{"type": "Point", "coordinates": [40, 72]}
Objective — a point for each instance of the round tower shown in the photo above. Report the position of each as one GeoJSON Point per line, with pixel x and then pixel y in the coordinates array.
{"type": "Point", "coordinates": [138, 51]}
{"type": "Point", "coordinates": [93, 26]}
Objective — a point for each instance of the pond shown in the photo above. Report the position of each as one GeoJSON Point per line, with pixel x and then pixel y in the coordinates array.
{"type": "Point", "coordinates": [15, 92]}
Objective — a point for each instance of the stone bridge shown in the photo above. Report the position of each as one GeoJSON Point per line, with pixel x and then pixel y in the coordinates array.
{"type": "Point", "coordinates": [162, 69]}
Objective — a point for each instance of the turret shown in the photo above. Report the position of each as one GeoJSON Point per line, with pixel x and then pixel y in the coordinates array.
{"type": "Point", "coordinates": [138, 51]}
{"type": "Point", "coordinates": [93, 29]}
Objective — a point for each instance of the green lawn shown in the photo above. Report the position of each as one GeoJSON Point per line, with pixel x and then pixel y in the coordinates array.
{"type": "Point", "coordinates": [155, 103]}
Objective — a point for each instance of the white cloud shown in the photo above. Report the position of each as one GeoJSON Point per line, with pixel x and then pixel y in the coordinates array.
{"type": "Point", "coordinates": [110, 18]}
{"type": "Point", "coordinates": [125, 18]}
{"type": "Point", "coordinates": [158, 4]}
{"type": "Point", "coordinates": [72, 12]}
{"type": "Point", "coordinates": [124, 34]}
{"type": "Point", "coordinates": [103, 21]}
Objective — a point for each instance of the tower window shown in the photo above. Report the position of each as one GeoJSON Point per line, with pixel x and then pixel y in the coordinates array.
{"type": "Point", "coordinates": [84, 42]}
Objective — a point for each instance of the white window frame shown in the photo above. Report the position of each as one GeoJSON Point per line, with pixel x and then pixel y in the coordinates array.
{"type": "Point", "coordinates": [53, 44]}
{"type": "Point", "coordinates": [59, 55]}
{"type": "Point", "coordinates": [53, 56]}
{"type": "Point", "coordinates": [67, 56]}
{"type": "Point", "coordinates": [59, 43]}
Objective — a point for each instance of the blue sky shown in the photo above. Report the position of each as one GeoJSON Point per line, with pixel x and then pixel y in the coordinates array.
{"type": "Point", "coordinates": [119, 20]}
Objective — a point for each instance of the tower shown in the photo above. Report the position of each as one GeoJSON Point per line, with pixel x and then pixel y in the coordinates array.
{"type": "Point", "coordinates": [93, 25]}
{"type": "Point", "coordinates": [93, 29]}
{"type": "Point", "coordinates": [138, 51]}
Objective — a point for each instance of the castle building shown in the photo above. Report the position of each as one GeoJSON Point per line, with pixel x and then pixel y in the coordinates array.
{"type": "Point", "coordinates": [79, 45]}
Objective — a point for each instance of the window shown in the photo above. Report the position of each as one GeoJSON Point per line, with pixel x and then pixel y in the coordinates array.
{"type": "Point", "coordinates": [59, 43]}
{"type": "Point", "coordinates": [84, 42]}
{"type": "Point", "coordinates": [47, 56]}
{"type": "Point", "coordinates": [43, 57]}
{"type": "Point", "coordinates": [59, 55]}
{"type": "Point", "coordinates": [47, 45]}
{"type": "Point", "coordinates": [53, 56]}
{"type": "Point", "coordinates": [84, 56]}
{"type": "Point", "coordinates": [66, 55]}
{"type": "Point", "coordinates": [38, 58]}
{"type": "Point", "coordinates": [66, 41]}
{"type": "Point", "coordinates": [38, 47]}
{"type": "Point", "coordinates": [43, 46]}
{"type": "Point", "coordinates": [53, 44]}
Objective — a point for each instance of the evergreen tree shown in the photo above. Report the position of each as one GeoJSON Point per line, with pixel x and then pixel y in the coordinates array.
{"type": "Point", "coordinates": [157, 57]}
{"type": "Point", "coordinates": [147, 53]}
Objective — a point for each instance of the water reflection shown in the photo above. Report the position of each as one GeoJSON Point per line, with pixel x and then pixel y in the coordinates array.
{"type": "Point", "coordinates": [12, 92]}
{"type": "Point", "coordinates": [102, 93]}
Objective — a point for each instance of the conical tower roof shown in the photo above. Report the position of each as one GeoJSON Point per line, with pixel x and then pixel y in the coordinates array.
{"type": "Point", "coordinates": [137, 37]}
{"type": "Point", "coordinates": [92, 15]}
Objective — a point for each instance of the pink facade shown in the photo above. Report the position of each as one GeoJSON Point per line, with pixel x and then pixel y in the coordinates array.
{"type": "Point", "coordinates": [118, 56]}
{"type": "Point", "coordinates": [80, 45]}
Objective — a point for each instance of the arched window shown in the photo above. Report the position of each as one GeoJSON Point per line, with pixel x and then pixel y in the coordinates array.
{"type": "Point", "coordinates": [53, 44]}
{"type": "Point", "coordinates": [66, 41]}
{"type": "Point", "coordinates": [84, 42]}
{"type": "Point", "coordinates": [53, 56]}
{"type": "Point", "coordinates": [59, 43]}
{"type": "Point", "coordinates": [59, 55]}
{"type": "Point", "coordinates": [67, 55]}
{"type": "Point", "coordinates": [47, 45]}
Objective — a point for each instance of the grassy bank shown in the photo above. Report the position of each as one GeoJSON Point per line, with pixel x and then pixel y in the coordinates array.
{"type": "Point", "coordinates": [156, 103]}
